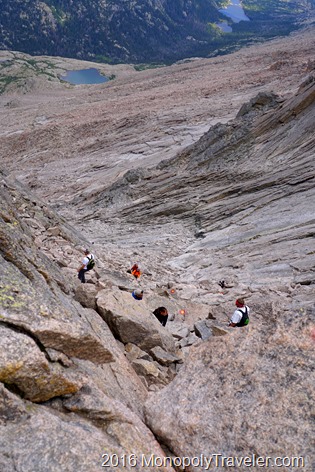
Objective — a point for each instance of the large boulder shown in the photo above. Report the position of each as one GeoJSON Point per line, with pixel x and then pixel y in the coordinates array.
{"type": "Point", "coordinates": [204, 329]}
{"type": "Point", "coordinates": [86, 295]}
{"type": "Point", "coordinates": [115, 379]}
{"type": "Point", "coordinates": [24, 366]}
{"type": "Point", "coordinates": [132, 322]}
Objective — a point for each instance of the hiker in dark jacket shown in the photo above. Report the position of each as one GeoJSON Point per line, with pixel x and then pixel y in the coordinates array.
{"type": "Point", "coordinates": [240, 316]}
{"type": "Point", "coordinates": [85, 266]}
{"type": "Point", "coordinates": [161, 314]}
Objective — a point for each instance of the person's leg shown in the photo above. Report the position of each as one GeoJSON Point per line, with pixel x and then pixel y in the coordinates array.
{"type": "Point", "coordinates": [82, 276]}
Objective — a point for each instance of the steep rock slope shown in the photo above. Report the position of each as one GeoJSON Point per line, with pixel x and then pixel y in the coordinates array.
{"type": "Point", "coordinates": [246, 189]}
{"type": "Point", "coordinates": [246, 186]}
{"type": "Point", "coordinates": [68, 394]}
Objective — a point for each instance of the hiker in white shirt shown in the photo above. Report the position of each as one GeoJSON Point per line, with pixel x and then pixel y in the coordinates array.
{"type": "Point", "coordinates": [240, 316]}
{"type": "Point", "coordinates": [87, 264]}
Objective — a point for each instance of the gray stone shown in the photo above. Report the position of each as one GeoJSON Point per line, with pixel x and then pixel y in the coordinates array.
{"type": "Point", "coordinates": [145, 368]}
{"type": "Point", "coordinates": [55, 231]}
{"type": "Point", "coordinates": [218, 330]}
{"type": "Point", "coordinates": [202, 330]}
{"type": "Point", "coordinates": [192, 339]}
{"type": "Point", "coordinates": [56, 356]}
{"type": "Point", "coordinates": [178, 330]}
{"type": "Point", "coordinates": [262, 100]}
{"type": "Point", "coordinates": [134, 352]}
{"type": "Point", "coordinates": [163, 357]}
{"type": "Point", "coordinates": [73, 340]}
{"type": "Point", "coordinates": [306, 278]}
{"type": "Point", "coordinates": [183, 343]}
{"type": "Point", "coordinates": [116, 279]}
{"type": "Point", "coordinates": [305, 264]}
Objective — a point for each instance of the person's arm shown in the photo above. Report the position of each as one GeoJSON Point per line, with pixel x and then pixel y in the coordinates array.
{"type": "Point", "coordinates": [236, 318]}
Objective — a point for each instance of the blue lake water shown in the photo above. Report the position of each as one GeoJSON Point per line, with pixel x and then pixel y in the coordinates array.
{"type": "Point", "coordinates": [235, 11]}
{"type": "Point", "coordinates": [84, 76]}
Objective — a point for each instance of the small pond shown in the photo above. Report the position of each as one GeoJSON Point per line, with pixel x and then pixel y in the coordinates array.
{"type": "Point", "coordinates": [84, 76]}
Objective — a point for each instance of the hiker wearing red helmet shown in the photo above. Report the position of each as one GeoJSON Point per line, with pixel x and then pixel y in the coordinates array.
{"type": "Point", "coordinates": [240, 316]}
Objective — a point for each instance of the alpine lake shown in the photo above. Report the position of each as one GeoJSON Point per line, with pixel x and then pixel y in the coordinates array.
{"type": "Point", "coordinates": [84, 76]}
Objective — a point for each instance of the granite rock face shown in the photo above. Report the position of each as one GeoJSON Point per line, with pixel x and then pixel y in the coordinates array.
{"type": "Point", "coordinates": [249, 391]}
{"type": "Point", "coordinates": [53, 347]}
{"type": "Point", "coordinates": [82, 437]}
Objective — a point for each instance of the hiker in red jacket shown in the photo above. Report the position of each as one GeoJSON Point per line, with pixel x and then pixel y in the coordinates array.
{"type": "Point", "coordinates": [135, 271]}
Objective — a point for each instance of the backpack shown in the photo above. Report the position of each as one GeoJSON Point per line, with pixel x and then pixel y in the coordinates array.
{"type": "Point", "coordinates": [91, 263]}
{"type": "Point", "coordinates": [245, 319]}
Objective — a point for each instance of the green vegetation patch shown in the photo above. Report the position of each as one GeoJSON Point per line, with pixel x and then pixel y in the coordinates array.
{"type": "Point", "coordinates": [7, 80]}
{"type": "Point", "coordinates": [140, 67]}
{"type": "Point", "coordinates": [103, 59]}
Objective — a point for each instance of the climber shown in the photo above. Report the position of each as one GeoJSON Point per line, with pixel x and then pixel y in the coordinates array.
{"type": "Point", "coordinates": [137, 294]}
{"type": "Point", "coordinates": [161, 314]}
{"type": "Point", "coordinates": [88, 263]}
{"type": "Point", "coordinates": [135, 271]}
{"type": "Point", "coordinates": [240, 315]}
{"type": "Point", "coordinates": [225, 284]}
